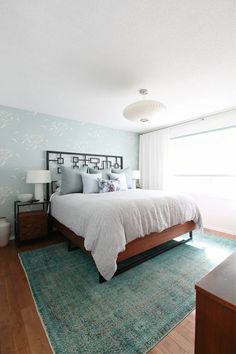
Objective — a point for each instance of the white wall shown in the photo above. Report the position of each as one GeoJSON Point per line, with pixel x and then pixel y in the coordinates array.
{"type": "Point", "coordinates": [218, 213]}
{"type": "Point", "coordinates": [218, 208]}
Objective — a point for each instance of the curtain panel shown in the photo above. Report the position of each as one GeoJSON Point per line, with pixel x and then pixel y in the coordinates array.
{"type": "Point", "coordinates": [153, 159]}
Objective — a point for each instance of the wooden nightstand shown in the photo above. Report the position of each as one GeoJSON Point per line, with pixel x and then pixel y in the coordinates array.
{"type": "Point", "coordinates": [31, 221]}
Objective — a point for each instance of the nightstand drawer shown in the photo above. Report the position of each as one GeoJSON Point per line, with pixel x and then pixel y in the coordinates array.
{"type": "Point", "coordinates": [33, 225]}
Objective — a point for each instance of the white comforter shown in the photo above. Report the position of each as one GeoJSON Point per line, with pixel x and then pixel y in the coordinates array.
{"type": "Point", "coordinates": [108, 221]}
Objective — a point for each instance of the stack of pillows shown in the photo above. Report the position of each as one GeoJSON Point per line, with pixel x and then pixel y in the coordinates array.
{"type": "Point", "coordinates": [89, 180]}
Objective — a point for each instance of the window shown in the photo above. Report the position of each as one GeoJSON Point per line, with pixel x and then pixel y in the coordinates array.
{"type": "Point", "coordinates": [211, 153]}
{"type": "Point", "coordinates": [205, 162]}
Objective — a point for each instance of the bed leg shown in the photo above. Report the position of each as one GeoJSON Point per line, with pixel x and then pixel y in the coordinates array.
{"type": "Point", "coordinates": [191, 234]}
{"type": "Point", "coordinates": [101, 279]}
{"type": "Point", "coordinates": [71, 247]}
{"type": "Point", "coordinates": [50, 227]}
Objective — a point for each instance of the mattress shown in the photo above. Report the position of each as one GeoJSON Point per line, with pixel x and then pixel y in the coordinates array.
{"type": "Point", "coordinates": [108, 221]}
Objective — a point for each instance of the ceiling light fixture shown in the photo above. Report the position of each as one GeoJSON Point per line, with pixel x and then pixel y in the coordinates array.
{"type": "Point", "coordinates": [144, 110]}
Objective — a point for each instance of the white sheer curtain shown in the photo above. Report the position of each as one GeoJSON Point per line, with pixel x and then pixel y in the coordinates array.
{"type": "Point", "coordinates": [153, 159]}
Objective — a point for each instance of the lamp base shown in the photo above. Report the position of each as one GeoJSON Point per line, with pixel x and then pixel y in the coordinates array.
{"type": "Point", "coordinates": [38, 192]}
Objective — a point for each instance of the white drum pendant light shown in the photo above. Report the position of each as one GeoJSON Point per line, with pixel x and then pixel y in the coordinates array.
{"type": "Point", "coordinates": [144, 110]}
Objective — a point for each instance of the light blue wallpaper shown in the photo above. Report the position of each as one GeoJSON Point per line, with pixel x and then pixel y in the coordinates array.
{"type": "Point", "coordinates": [25, 136]}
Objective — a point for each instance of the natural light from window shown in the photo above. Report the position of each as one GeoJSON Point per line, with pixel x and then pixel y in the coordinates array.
{"type": "Point", "coordinates": [205, 163]}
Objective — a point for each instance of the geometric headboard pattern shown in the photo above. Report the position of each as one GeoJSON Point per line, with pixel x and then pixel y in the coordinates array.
{"type": "Point", "coordinates": [55, 159]}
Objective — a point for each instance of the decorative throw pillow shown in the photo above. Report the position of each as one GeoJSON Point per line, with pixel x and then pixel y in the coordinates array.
{"type": "Point", "coordinates": [127, 173]}
{"type": "Point", "coordinates": [90, 183]}
{"type": "Point", "coordinates": [121, 178]}
{"type": "Point", "coordinates": [71, 181]}
{"type": "Point", "coordinates": [104, 172]}
{"type": "Point", "coordinates": [106, 185]}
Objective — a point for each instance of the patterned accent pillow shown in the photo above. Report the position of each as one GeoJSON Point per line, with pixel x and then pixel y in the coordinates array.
{"type": "Point", "coordinates": [121, 178]}
{"type": "Point", "coordinates": [106, 185]}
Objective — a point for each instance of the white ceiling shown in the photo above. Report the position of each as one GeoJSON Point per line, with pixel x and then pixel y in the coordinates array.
{"type": "Point", "coordinates": [87, 59]}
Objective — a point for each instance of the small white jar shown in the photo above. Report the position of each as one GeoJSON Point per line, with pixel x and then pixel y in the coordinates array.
{"type": "Point", "coordinates": [5, 228]}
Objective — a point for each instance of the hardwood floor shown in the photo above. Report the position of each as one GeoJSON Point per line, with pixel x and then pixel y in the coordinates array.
{"type": "Point", "coordinates": [21, 331]}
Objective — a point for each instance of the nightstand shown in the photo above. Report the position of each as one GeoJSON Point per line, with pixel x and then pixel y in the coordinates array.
{"type": "Point", "coordinates": [31, 221]}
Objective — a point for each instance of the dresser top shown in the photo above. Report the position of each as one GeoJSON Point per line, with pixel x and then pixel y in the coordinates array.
{"type": "Point", "coordinates": [220, 283]}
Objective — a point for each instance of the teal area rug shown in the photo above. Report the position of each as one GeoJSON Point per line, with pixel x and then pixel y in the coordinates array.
{"type": "Point", "coordinates": [129, 314]}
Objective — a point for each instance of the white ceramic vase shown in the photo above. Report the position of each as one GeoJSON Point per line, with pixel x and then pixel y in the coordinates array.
{"type": "Point", "coordinates": [5, 227]}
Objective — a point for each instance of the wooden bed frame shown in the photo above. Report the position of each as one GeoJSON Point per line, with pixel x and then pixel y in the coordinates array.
{"type": "Point", "coordinates": [137, 251]}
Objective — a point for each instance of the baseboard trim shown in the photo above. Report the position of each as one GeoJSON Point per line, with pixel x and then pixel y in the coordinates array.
{"type": "Point", "coordinates": [222, 233]}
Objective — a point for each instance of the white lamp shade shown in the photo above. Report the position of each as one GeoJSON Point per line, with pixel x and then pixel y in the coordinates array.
{"type": "Point", "coordinates": [136, 174]}
{"type": "Point", "coordinates": [142, 111]}
{"type": "Point", "coordinates": [38, 176]}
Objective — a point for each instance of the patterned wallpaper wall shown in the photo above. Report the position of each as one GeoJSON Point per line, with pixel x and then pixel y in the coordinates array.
{"type": "Point", "coordinates": [25, 136]}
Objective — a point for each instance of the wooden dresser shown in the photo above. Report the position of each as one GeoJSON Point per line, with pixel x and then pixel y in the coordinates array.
{"type": "Point", "coordinates": [216, 310]}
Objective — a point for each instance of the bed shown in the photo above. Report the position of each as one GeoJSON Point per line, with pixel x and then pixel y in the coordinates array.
{"type": "Point", "coordinates": [120, 229]}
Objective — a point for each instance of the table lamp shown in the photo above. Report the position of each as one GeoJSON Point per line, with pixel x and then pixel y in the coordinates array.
{"type": "Point", "coordinates": [135, 177]}
{"type": "Point", "coordinates": [38, 177]}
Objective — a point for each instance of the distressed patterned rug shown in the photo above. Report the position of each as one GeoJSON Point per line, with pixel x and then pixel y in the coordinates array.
{"type": "Point", "coordinates": [129, 314]}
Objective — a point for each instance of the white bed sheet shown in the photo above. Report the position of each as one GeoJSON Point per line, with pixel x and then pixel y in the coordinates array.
{"type": "Point", "coordinates": [108, 221]}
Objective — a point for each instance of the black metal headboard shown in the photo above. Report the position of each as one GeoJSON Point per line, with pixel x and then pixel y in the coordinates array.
{"type": "Point", "coordinates": [55, 159]}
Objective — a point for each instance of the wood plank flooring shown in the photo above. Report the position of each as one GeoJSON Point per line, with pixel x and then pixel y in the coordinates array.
{"type": "Point", "coordinates": [21, 331]}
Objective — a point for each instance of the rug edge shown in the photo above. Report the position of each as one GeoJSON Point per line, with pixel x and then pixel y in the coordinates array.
{"type": "Point", "coordinates": [35, 304]}
{"type": "Point", "coordinates": [166, 334]}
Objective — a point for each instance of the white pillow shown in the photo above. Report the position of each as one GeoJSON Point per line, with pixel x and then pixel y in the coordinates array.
{"type": "Point", "coordinates": [121, 177]}
{"type": "Point", "coordinates": [90, 182]}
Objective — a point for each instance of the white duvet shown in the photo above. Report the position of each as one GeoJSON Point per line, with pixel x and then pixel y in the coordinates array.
{"type": "Point", "coordinates": [108, 221]}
